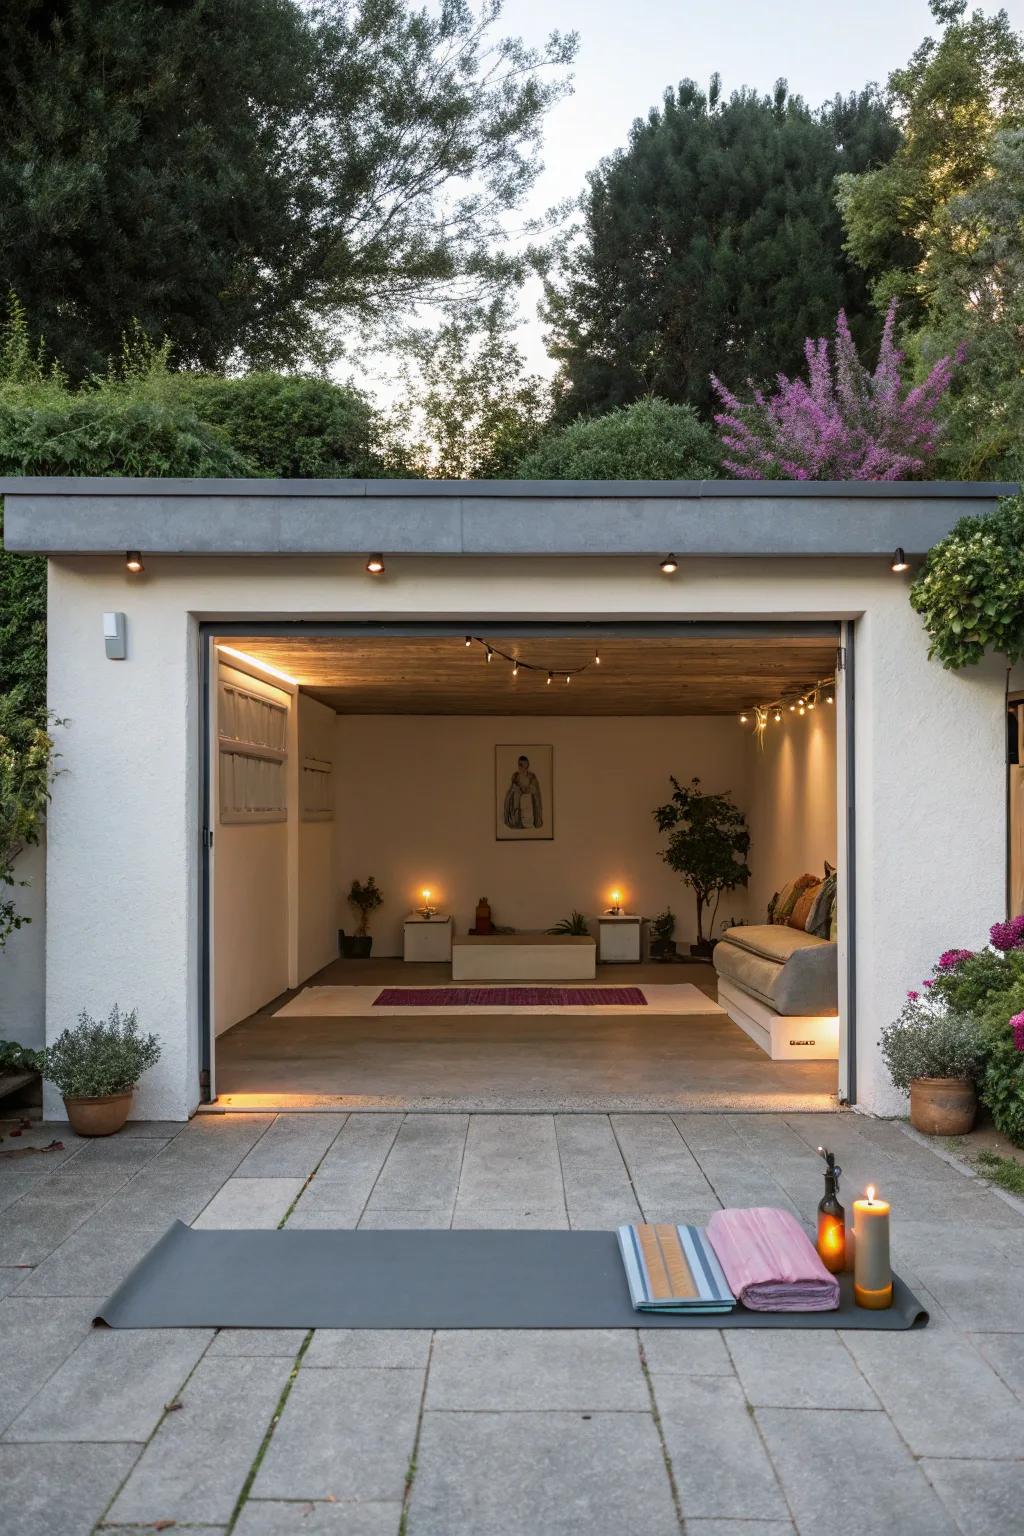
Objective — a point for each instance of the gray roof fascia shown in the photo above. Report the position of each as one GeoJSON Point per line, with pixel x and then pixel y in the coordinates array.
{"type": "Point", "coordinates": [725, 518]}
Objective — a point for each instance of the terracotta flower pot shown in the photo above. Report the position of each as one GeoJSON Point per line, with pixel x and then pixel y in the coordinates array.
{"type": "Point", "coordinates": [100, 1116]}
{"type": "Point", "coordinates": [943, 1106]}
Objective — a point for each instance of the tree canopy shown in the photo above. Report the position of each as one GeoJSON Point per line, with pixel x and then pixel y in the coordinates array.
{"type": "Point", "coordinates": [712, 243]}
{"type": "Point", "coordinates": [250, 176]}
{"type": "Point", "coordinates": [949, 100]}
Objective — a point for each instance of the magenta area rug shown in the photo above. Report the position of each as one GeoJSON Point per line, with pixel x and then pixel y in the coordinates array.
{"type": "Point", "coordinates": [509, 997]}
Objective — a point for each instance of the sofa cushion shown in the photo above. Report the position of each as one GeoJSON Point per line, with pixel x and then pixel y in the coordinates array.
{"type": "Point", "coordinates": [772, 941]}
{"type": "Point", "coordinates": [805, 983]}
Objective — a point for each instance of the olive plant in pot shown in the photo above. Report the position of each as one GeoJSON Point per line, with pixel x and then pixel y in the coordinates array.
{"type": "Point", "coordinates": [97, 1066]}
{"type": "Point", "coordinates": [365, 899]}
{"type": "Point", "coordinates": [935, 1055]}
{"type": "Point", "coordinates": [708, 846]}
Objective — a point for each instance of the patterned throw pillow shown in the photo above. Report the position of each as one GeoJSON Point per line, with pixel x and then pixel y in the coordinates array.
{"type": "Point", "coordinates": [821, 920]}
{"type": "Point", "coordinates": [788, 897]}
{"type": "Point", "coordinates": [803, 905]}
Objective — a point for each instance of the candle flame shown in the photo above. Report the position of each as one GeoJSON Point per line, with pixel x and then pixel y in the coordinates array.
{"type": "Point", "coordinates": [870, 1193]}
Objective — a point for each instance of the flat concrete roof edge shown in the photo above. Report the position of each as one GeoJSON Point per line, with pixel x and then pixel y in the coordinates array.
{"type": "Point", "coordinates": [590, 490]}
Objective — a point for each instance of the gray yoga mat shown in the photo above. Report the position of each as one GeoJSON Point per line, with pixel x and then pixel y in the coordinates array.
{"type": "Point", "coordinates": [420, 1279]}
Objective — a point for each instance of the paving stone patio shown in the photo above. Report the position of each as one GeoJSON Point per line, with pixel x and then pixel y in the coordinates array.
{"type": "Point", "coordinates": [497, 1433]}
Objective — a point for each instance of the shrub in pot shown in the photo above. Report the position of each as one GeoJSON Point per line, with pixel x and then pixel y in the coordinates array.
{"type": "Point", "coordinates": [365, 899]}
{"type": "Point", "coordinates": [97, 1066]}
{"type": "Point", "coordinates": [935, 1056]}
{"type": "Point", "coordinates": [662, 941]}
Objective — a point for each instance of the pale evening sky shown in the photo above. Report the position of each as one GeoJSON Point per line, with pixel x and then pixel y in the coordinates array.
{"type": "Point", "coordinates": [630, 50]}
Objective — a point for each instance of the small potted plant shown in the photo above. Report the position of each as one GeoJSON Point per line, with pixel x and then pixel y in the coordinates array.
{"type": "Point", "coordinates": [365, 899]}
{"type": "Point", "coordinates": [574, 925]}
{"type": "Point", "coordinates": [97, 1066]}
{"type": "Point", "coordinates": [663, 944]}
{"type": "Point", "coordinates": [935, 1056]}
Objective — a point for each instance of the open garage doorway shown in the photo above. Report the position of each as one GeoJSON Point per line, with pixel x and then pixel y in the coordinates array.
{"type": "Point", "coordinates": [531, 949]}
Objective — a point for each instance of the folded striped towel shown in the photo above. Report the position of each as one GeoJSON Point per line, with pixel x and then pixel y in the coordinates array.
{"type": "Point", "coordinates": [770, 1262]}
{"type": "Point", "coordinates": [673, 1269]}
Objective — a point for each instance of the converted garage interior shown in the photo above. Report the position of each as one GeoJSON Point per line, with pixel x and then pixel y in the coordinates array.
{"type": "Point", "coordinates": [482, 787]}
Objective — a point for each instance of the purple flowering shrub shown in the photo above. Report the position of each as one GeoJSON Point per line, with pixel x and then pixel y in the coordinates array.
{"type": "Point", "coordinates": [843, 422]}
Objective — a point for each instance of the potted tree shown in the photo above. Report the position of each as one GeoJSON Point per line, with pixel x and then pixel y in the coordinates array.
{"type": "Point", "coordinates": [935, 1055]}
{"type": "Point", "coordinates": [707, 846]}
{"type": "Point", "coordinates": [365, 899]}
{"type": "Point", "coordinates": [97, 1066]}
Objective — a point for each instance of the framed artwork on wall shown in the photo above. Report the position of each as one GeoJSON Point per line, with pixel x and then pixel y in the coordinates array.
{"type": "Point", "coordinates": [524, 809]}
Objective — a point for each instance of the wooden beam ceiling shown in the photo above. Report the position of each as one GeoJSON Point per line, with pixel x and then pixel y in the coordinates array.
{"type": "Point", "coordinates": [421, 675]}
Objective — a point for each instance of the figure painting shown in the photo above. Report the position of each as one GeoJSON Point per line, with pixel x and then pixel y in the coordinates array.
{"type": "Point", "coordinates": [523, 792]}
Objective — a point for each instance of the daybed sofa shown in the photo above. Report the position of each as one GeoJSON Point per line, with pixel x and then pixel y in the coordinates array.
{"type": "Point", "coordinates": [778, 981]}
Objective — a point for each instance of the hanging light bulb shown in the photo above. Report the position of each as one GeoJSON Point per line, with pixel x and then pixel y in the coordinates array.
{"type": "Point", "coordinates": [744, 719]}
{"type": "Point", "coordinates": [568, 678]}
{"type": "Point", "coordinates": [792, 707]}
{"type": "Point", "coordinates": [777, 715]}
{"type": "Point", "coordinates": [490, 654]}
{"type": "Point", "coordinates": [551, 678]}
{"type": "Point", "coordinates": [597, 658]}
{"type": "Point", "coordinates": [829, 699]}
{"type": "Point", "coordinates": [469, 641]}
{"type": "Point", "coordinates": [515, 669]}
{"type": "Point", "coordinates": [801, 710]}
{"type": "Point", "coordinates": [810, 702]}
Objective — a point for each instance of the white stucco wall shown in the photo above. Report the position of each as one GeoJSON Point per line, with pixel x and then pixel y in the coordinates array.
{"type": "Point", "coordinates": [416, 808]}
{"type": "Point", "coordinates": [792, 803]}
{"type": "Point", "coordinates": [23, 957]}
{"type": "Point", "coordinates": [123, 856]}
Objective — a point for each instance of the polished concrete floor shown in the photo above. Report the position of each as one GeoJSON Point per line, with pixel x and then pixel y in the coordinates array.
{"type": "Point", "coordinates": [516, 1062]}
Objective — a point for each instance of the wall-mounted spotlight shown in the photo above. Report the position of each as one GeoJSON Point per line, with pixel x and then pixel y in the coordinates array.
{"type": "Point", "coordinates": [899, 561]}
{"type": "Point", "coordinates": [669, 565]}
{"type": "Point", "coordinates": [133, 562]}
{"type": "Point", "coordinates": [375, 566]}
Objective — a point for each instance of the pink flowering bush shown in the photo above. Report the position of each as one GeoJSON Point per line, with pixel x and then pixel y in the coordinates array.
{"type": "Point", "coordinates": [843, 422]}
{"type": "Point", "coordinates": [1017, 1031]}
{"type": "Point", "coordinates": [1008, 935]}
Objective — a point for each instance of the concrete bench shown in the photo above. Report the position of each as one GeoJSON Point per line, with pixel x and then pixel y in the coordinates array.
{"type": "Point", "coordinates": [524, 957]}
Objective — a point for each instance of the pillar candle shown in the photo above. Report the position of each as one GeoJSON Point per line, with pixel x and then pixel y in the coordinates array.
{"type": "Point", "coordinates": [872, 1275]}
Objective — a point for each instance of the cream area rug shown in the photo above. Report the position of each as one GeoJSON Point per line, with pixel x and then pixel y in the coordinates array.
{"type": "Point", "coordinates": [358, 1002]}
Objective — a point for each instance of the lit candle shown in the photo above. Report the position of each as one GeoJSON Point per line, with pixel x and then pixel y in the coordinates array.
{"type": "Point", "coordinates": [616, 900]}
{"type": "Point", "coordinates": [872, 1274]}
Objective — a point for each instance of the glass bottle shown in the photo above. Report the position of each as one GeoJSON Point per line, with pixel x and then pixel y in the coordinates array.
{"type": "Point", "coordinates": [831, 1219]}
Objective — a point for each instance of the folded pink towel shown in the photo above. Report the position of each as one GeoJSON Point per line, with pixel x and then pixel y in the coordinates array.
{"type": "Point", "coordinates": [770, 1263]}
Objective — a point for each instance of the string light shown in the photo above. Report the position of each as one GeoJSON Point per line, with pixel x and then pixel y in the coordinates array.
{"type": "Point", "coordinates": [800, 704]}
{"type": "Point", "coordinates": [518, 664]}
